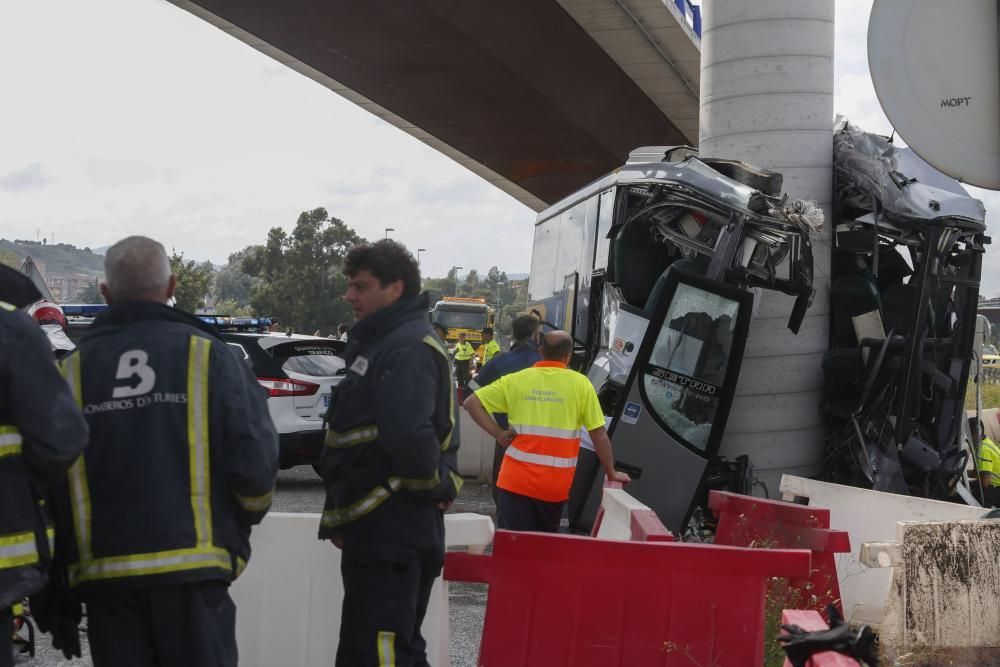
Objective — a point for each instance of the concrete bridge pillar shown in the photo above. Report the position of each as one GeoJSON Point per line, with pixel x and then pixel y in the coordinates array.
{"type": "Point", "coordinates": [767, 99]}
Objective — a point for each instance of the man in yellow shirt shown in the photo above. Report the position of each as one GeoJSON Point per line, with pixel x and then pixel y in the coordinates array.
{"type": "Point", "coordinates": [989, 471]}
{"type": "Point", "coordinates": [489, 349]}
{"type": "Point", "coordinates": [464, 353]}
{"type": "Point", "coordinates": [546, 406]}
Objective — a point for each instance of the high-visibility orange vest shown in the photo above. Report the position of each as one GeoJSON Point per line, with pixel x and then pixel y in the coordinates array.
{"type": "Point", "coordinates": [546, 405]}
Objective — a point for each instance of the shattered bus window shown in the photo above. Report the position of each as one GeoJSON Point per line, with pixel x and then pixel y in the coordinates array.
{"type": "Point", "coordinates": [687, 366]}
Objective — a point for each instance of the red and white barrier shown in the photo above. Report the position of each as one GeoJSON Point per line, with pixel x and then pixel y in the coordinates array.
{"type": "Point", "coordinates": [745, 521]}
{"type": "Point", "coordinates": [622, 517]}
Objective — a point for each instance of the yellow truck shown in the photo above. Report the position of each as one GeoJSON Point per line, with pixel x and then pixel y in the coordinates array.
{"type": "Point", "coordinates": [463, 315]}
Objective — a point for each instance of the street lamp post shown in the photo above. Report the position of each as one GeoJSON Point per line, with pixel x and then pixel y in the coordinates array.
{"type": "Point", "coordinates": [387, 230]}
{"type": "Point", "coordinates": [420, 250]}
{"type": "Point", "coordinates": [499, 320]}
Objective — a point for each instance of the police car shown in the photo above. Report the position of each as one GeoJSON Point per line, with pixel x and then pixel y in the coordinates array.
{"type": "Point", "coordinates": [298, 371]}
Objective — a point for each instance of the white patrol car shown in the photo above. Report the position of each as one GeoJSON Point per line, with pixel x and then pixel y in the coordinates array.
{"type": "Point", "coordinates": [299, 372]}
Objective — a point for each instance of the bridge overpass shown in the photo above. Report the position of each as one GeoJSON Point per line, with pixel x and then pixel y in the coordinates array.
{"type": "Point", "coordinates": [536, 96]}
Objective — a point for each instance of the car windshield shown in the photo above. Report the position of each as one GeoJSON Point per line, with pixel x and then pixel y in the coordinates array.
{"type": "Point", "coordinates": [314, 358]}
{"type": "Point", "coordinates": [461, 319]}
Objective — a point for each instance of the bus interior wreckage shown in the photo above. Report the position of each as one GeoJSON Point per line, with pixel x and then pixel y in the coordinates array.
{"type": "Point", "coordinates": [654, 268]}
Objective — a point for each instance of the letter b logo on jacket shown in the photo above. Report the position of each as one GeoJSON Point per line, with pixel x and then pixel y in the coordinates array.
{"type": "Point", "coordinates": [134, 363]}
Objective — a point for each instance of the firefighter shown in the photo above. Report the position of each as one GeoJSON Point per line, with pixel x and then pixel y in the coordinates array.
{"type": "Point", "coordinates": [41, 433]}
{"type": "Point", "coordinates": [389, 463]}
{"type": "Point", "coordinates": [546, 406]}
{"type": "Point", "coordinates": [464, 354]}
{"type": "Point", "coordinates": [181, 463]}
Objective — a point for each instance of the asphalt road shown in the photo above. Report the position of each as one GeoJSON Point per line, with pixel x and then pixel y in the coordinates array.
{"type": "Point", "coordinates": [300, 490]}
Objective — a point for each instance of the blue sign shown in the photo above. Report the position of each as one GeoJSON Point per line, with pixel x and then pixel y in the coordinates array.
{"type": "Point", "coordinates": [630, 415]}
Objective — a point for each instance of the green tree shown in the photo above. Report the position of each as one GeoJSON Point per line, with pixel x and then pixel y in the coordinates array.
{"type": "Point", "coordinates": [194, 281]}
{"type": "Point", "coordinates": [231, 283]}
{"type": "Point", "coordinates": [300, 280]}
{"type": "Point", "coordinates": [90, 293]}
{"type": "Point", "coordinates": [230, 307]}
{"type": "Point", "coordinates": [9, 258]}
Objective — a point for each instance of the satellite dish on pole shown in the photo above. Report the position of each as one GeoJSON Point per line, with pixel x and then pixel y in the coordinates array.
{"type": "Point", "coordinates": [936, 70]}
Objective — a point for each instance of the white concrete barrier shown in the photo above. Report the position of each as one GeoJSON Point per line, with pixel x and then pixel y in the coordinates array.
{"type": "Point", "coordinates": [618, 507]}
{"type": "Point", "coordinates": [945, 587]}
{"type": "Point", "coordinates": [289, 599]}
{"type": "Point", "coordinates": [475, 455]}
{"type": "Point", "coordinates": [868, 516]}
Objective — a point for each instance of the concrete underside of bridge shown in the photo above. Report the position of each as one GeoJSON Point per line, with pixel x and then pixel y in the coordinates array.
{"type": "Point", "coordinates": [517, 91]}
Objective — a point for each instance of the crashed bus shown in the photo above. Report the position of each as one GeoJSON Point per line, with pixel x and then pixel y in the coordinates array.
{"type": "Point", "coordinates": [906, 267]}
{"type": "Point", "coordinates": [653, 270]}
{"type": "Point", "coordinates": [650, 270]}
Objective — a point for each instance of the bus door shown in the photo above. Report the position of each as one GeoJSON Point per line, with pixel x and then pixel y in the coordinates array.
{"type": "Point", "coordinates": [679, 392]}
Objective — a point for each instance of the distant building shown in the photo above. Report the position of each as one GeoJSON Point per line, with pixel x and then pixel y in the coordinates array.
{"type": "Point", "coordinates": [65, 286]}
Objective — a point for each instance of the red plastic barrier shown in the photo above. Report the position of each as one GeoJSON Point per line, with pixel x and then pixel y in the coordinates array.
{"type": "Point", "coordinates": [745, 521]}
{"type": "Point", "coordinates": [811, 621]}
{"type": "Point", "coordinates": [647, 527]}
{"type": "Point", "coordinates": [569, 600]}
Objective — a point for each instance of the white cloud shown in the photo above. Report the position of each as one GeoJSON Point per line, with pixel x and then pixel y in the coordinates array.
{"type": "Point", "coordinates": [155, 122]}
{"type": "Point", "coordinates": [137, 117]}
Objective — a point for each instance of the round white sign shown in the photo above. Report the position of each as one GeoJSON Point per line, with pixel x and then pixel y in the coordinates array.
{"type": "Point", "coordinates": [936, 70]}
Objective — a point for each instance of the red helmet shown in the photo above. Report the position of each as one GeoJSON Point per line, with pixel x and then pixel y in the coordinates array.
{"type": "Point", "coordinates": [46, 312]}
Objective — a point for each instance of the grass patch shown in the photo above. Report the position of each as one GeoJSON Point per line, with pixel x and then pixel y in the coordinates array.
{"type": "Point", "coordinates": [991, 396]}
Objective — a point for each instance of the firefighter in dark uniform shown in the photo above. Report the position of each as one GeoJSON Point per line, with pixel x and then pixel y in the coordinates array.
{"type": "Point", "coordinates": [41, 433]}
{"type": "Point", "coordinates": [390, 462]}
{"type": "Point", "coordinates": [181, 463]}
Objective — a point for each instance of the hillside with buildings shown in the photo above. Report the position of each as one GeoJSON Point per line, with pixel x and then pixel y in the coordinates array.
{"type": "Point", "coordinates": [67, 270]}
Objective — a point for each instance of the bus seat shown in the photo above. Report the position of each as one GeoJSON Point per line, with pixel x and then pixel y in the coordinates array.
{"type": "Point", "coordinates": [853, 296]}
{"type": "Point", "coordinates": [638, 262]}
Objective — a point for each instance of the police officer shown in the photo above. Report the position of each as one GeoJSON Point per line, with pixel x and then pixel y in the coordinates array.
{"type": "Point", "coordinates": [390, 460]}
{"type": "Point", "coordinates": [41, 433]}
{"type": "Point", "coordinates": [181, 462]}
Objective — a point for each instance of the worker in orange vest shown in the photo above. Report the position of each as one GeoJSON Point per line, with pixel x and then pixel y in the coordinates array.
{"type": "Point", "coordinates": [546, 406]}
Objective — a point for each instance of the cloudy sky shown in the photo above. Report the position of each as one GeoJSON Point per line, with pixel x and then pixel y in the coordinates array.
{"type": "Point", "coordinates": [133, 116]}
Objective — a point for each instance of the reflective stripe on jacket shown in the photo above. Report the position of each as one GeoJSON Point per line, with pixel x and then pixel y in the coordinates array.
{"type": "Point", "coordinates": [392, 419]}
{"type": "Point", "coordinates": [41, 433]}
{"type": "Point", "coordinates": [464, 351]}
{"type": "Point", "coordinates": [204, 472]}
{"type": "Point", "coordinates": [19, 547]}
{"type": "Point", "coordinates": [989, 460]}
{"type": "Point", "coordinates": [546, 405]}
{"type": "Point", "coordinates": [490, 350]}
